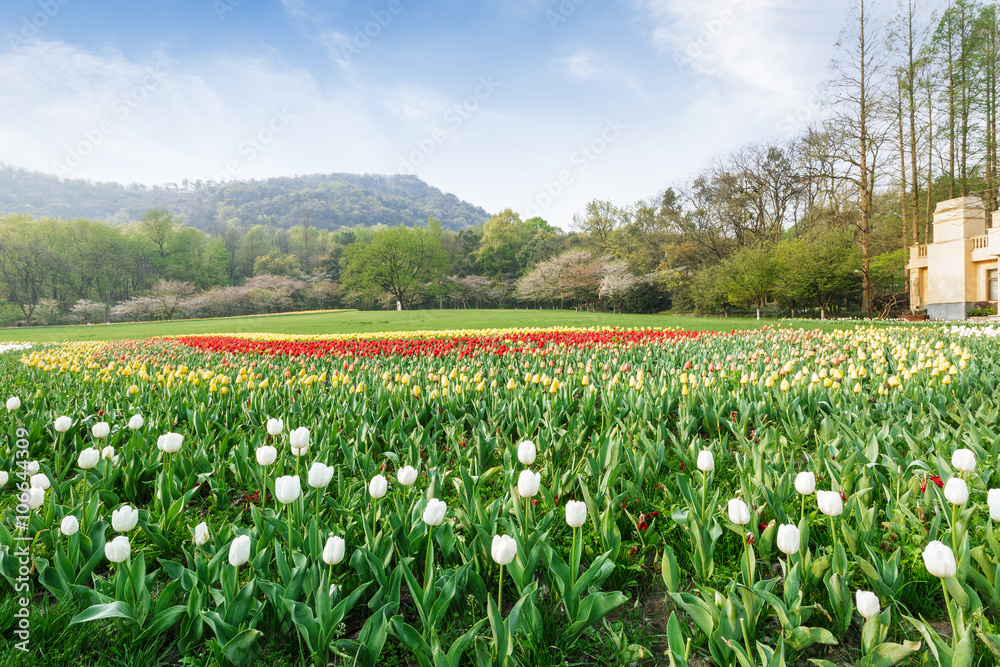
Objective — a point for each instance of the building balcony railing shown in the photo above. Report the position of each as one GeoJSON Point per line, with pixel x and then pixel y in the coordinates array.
{"type": "Point", "coordinates": [921, 251]}
{"type": "Point", "coordinates": [979, 242]}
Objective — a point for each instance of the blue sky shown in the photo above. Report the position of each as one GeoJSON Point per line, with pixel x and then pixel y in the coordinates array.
{"type": "Point", "coordinates": [536, 105]}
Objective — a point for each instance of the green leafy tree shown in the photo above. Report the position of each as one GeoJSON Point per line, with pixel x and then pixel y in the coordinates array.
{"type": "Point", "coordinates": [749, 276]}
{"type": "Point", "coordinates": [405, 262]}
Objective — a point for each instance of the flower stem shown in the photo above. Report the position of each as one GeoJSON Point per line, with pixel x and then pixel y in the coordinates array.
{"type": "Point", "coordinates": [500, 593]}
{"type": "Point", "coordinates": [951, 615]}
{"type": "Point", "coordinates": [954, 531]}
{"type": "Point", "coordinates": [288, 510]}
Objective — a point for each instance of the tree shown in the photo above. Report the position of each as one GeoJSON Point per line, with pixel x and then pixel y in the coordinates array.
{"type": "Point", "coordinates": [170, 294]}
{"type": "Point", "coordinates": [504, 235]}
{"type": "Point", "coordinates": [402, 261]}
{"type": "Point", "coordinates": [858, 125]}
{"type": "Point", "coordinates": [617, 283]}
{"type": "Point", "coordinates": [749, 276]}
{"type": "Point", "coordinates": [816, 271]}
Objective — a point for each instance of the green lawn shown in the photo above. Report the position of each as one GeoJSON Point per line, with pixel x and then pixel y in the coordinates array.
{"type": "Point", "coordinates": [352, 321]}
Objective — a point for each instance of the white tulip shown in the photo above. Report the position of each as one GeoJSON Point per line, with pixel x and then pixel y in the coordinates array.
{"type": "Point", "coordinates": [4, 478]}
{"type": "Point", "coordinates": [13, 403]}
{"type": "Point", "coordinates": [299, 440]}
{"type": "Point", "coordinates": [406, 475]}
{"type": "Point", "coordinates": [939, 560]}
{"type": "Point", "coordinates": [100, 430]}
{"type": "Point", "coordinates": [201, 534]}
{"type": "Point", "coordinates": [378, 486]}
{"type": "Point", "coordinates": [956, 491]}
{"type": "Point", "coordinates": [63, 424]}
{"type": "Point", "coordinates": [287, 489]}
{"type": "Point", "coordinates": [706, 461]}
{"type": "Point", "coordinates": [89, 458]}
{"type": "Point", "coordinates": [789, 539]}
{"type": "Point", "coordinates": [275, 426]}
{"type": "Point", "coordinates": [830, 503]}
{"type": "Point", "coordinates": [739, 513]}
{"type": "Point", "coordinates": [320, 475]}
{"type": "Point", "coordinates": [266, 455]}
{"type": "Point", "coordinates": [576, 513]}
{"type": "Point", "coordinates": [805, 483]}
{"type": "Point", "coordinates": [108, 454]}
{"type": "Point", "coordinates": [334, 550]}
{"type": "Point", "coordinates": [169, 443]}
{"type": "Point", "coordinates": [136, 422]}
{"type": "Point", "coordinates": [39, 481]}
{"type": "Point", "coordinates": [992, 500]}
{"type": "Point", "coordinates": [963, 460]}
{"type": "Point", "coordinates": [434, 512]}
{"type": "Point", "coordinates": [118, 549]}
{"type": "Point", "coordinates": [32, 467]}
{"type": "Point", "coordinates": [867, 603]}
{"type": "Point", "coordinates": [528, 483]}
{"type": "Point", "coordinates": [526, 452]}
{"type": "Point", "coordinates": [70, 525]}
{"type": "Point", "coordinates": [504, 549]}
{"type": "Point", "coordinates": [33, 497]}
{"type": "Point", "coordinates": [239, 551]}
{"type": "Point", "coordinates": [124, 519]}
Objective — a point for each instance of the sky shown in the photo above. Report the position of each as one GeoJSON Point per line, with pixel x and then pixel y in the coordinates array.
{"type": "Point", "coordinates": [536, 105]}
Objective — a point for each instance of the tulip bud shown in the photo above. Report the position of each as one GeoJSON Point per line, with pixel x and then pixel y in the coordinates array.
{"type": "Point", "coordinates": [266, 455]}
{"type": "Point", "coordinates": [320, 475]}
{"type": "Point", "coordinates": [100, 430]}
{"type": "Point", "coordinates": [830, 503]}
{"type": "Point", "coordinates": [739, 513]}
{"type": "Point", "coordinates": [867, 603]}
{"type": "Point", "coordinates": [805, 483]}
{"type": "Point", "coordinates": [576, 513]}
{"type": "Point", "coordinates": [434, 512]}
{"type": "Point", "coordinates": [939, 560]}
{"type": "Point", "coordinates": [4, 478]}
{"type": "Point", "coordinates": [13, 403]}
{"type": "Point", "coordinates": [992, 501]}
{"type": "Point", "coordinates": [275, 426]}
{"type": "Point", "coordinates": [89, 458]}
{"type": "Point", "coordinates": [789, 539]}
{"type": "Point", "coordinates": [63, 424]}
{"type": "Point", "coordinates": [287, 489]}
{"type": "Point", "coordinates": [406, 475]}
{"type": "Point", "coordinates": [378, 486]}
{"type": "Point", "coordinates": [136, 422]}
{"type": "Point", "coordinates": [333, 552]}
{"type": "Point", "coordinates": [956, 491]}
{"type": "Point", "coordinates": [118, 549]}
{"type": "Point", "coordinates": [170, 443]}
{"type": "Point", "coordinates": [706, 461]}
{"type": "Point", "coordinates": [299, 440]}
{"type": "Point", "coordinates": [201, 534]}
{"type": "Point", "coordinates": [963, 460]}
{"type": "Point", "coordinates": [70, 525]}
{"type": "Point", "coordinates": [33, 497]}
{"type": "Point", "coordinates": [504, 549]}
{"type": "Point", "coordinates": [526, 452]}
{"type": "Point", "coordinates": [528, 483]}
{"type": "Point", "coordinates": [124, 519]}
{"type": "Point", "coordinates": [239, 550]}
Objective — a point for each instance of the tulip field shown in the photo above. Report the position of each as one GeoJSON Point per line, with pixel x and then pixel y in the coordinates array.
{"type": "Point", "coordinates": [504, 497]}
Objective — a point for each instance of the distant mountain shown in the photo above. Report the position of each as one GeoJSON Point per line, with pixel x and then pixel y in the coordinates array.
{"type": "Point", "coordinates": [332, 200]}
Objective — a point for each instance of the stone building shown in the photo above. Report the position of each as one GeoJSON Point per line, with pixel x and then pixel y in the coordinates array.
{"type": "Point", "coordinates": [959, 269]}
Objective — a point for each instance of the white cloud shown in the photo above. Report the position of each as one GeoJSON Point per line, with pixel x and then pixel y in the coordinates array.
{"type": "Point", "coordinates": [102, 116]}
{"type": "Point", "coordinates": [581, 64]}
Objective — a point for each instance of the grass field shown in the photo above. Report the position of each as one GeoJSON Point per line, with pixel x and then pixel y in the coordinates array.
{"type": "Point", "coordinates": [352, 321]}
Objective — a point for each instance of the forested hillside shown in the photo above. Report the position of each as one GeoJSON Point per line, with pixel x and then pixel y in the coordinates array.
{"type": "Point", "coordinates": [331, 200]}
